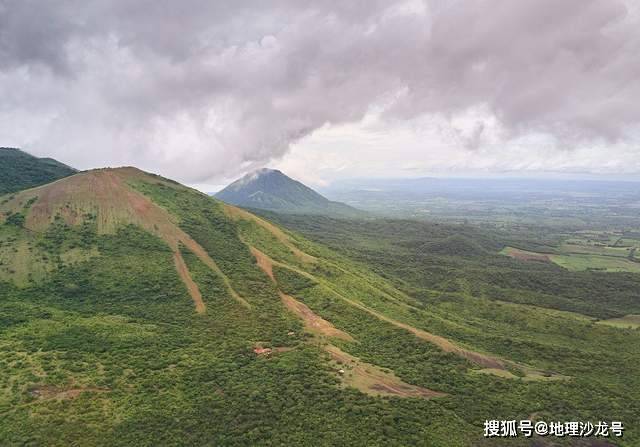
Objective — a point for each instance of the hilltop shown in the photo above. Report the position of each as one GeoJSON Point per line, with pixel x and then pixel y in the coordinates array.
{"type": "Point", "coordinates": [19, 170]}
{"type": "Point", "coordinates": [270, 189]}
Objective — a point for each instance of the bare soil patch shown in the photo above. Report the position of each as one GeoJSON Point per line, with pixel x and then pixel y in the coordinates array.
{"type": "Point", "coordinates": [312, 322]}
{"type": "Point", "coordinates": [50, 392]}
{"type": "Point", "coordinates": [192, 287]}
{"type": "Point", "coordinates": [240, 214]}
{"type": "Point", "coordinates": [264, 262]}
{"type": "Point", "coordinates": [266, 351]}
{"type": "Point", "coordinates": [106, 194]}
{"type": "Point", "coordinates": [373, 380]}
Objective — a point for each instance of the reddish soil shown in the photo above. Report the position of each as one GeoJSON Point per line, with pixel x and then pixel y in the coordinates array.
{"type": "Point", "coordinates": [528, 256]}
{"type": "Point", "coordinates": [313, 323]}
{"type": "Point", "coordinates": [264, 262]}
{"type": "Point", "coordinates": [259, 350]}
{"type": "Point", "coordinates": [192, 287]}
{"type": "Point", "coordinates": [446, 345]}
{"type": "Point", "coordinates": [371, 379]}
{"type": "Point", "coordinates": [262, 351]}
{"type": "Point", "coordinates": [240, 214]}
{"type": "Point", "coordinates": [105, 193]}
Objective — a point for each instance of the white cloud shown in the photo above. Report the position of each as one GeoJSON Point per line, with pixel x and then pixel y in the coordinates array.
{"type": "Point", "coordinates": [431, 145]}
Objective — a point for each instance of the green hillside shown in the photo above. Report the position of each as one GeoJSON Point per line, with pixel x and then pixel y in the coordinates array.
{"type": "Point", "coordinates": [19, 170]}
{"type": "Point", "coordinates": [270, 189]}
{"type": "Point", "coordinates": [136, 311]}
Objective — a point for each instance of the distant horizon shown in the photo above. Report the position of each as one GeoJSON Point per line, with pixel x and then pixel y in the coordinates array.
{"type": "Point", "coordinates": [550, 177]}
{"type": "Point", "coordinates": [326, 186]}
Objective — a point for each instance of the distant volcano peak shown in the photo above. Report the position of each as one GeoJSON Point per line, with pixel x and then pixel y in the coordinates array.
{"type": "Point", "coordinates": [271, 189]}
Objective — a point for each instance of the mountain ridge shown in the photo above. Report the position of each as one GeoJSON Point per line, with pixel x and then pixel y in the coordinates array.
{"type": "Point", "coordinates": [20, 170]}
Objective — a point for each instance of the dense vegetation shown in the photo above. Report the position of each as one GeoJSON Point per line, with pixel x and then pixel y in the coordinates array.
{"type": "Point", "coordinates": [104, 347]}
{"type": "Point", "coordinates": [19, 170]}
{"type": "Point", "coordinates": [427, 260]}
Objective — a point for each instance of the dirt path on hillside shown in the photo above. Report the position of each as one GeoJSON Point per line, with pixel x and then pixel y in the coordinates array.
{"type": "Point", "coordinates": [491, 363]}
{"type": "Point", "coordinates": [313, 322]}
{"type": "Point", "coordinates": [206, 259]}
{"type": "Point", "coordinates": [192, 287]}
{"type": "Point", "coordinates": [366, 377]}
{"type": "Point", "coordinates": [372, 379]}
{"type": "Point", "coordinates": [443, 343]}
{"type": "Point", "coordinates": [264, 262]}
{"type": "Point", "coordinates": [446, 345]}
{"type": "Point", "coordinates": [240, 214]}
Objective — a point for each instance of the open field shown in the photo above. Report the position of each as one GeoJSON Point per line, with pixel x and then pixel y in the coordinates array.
{"type": "Point", "coordinates": [578, 263]}
{"type": "Point", "coordinates": [373, 380]}
{"type": "Point", "coordinates": [628, 321]}
{"type": "Point", "coordinates": [607, 251]}
{"type": "Point", "coordinates": [524, 255]}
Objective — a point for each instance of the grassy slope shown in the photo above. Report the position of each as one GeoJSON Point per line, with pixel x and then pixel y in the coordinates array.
{"type": "Point", "coordinates": [458, 296]}
{"type": "Point", "coordinates": [118, 333]}
{"type": "Point", "coordinates": [99, 324]}
{"type": "Point", "coordinates": [19, 170]}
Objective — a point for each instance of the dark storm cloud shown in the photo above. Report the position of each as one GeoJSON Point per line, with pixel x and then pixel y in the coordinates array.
{"type": "Point", "coordinates": [199, 88]}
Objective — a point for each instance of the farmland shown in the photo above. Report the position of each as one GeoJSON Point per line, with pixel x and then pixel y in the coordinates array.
{"type": "Point", "coordinates": [606, 251]}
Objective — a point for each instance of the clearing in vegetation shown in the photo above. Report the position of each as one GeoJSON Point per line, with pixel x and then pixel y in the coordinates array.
{"type": "Point", "coordinates": [524, 255]}
{"type": "Point", "coordinates": [628, 321]}
{"type": "Point", "coordinates": [595, 251]}
{"type": "Point", "coordinates": [312, 322]}
{"type": "Point", "coordinates": [192, 287]}
{"type": "Point", "coordinates": [240, 214]}
{"type": "Point", "coordinates": [371, 379]}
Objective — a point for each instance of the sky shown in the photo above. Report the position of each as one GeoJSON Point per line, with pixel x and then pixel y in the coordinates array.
{"type": "Point", "coordinates": [203, 91]}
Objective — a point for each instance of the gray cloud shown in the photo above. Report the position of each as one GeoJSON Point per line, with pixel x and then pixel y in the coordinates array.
{"type": "Point", "coordinates": [199, 89]}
